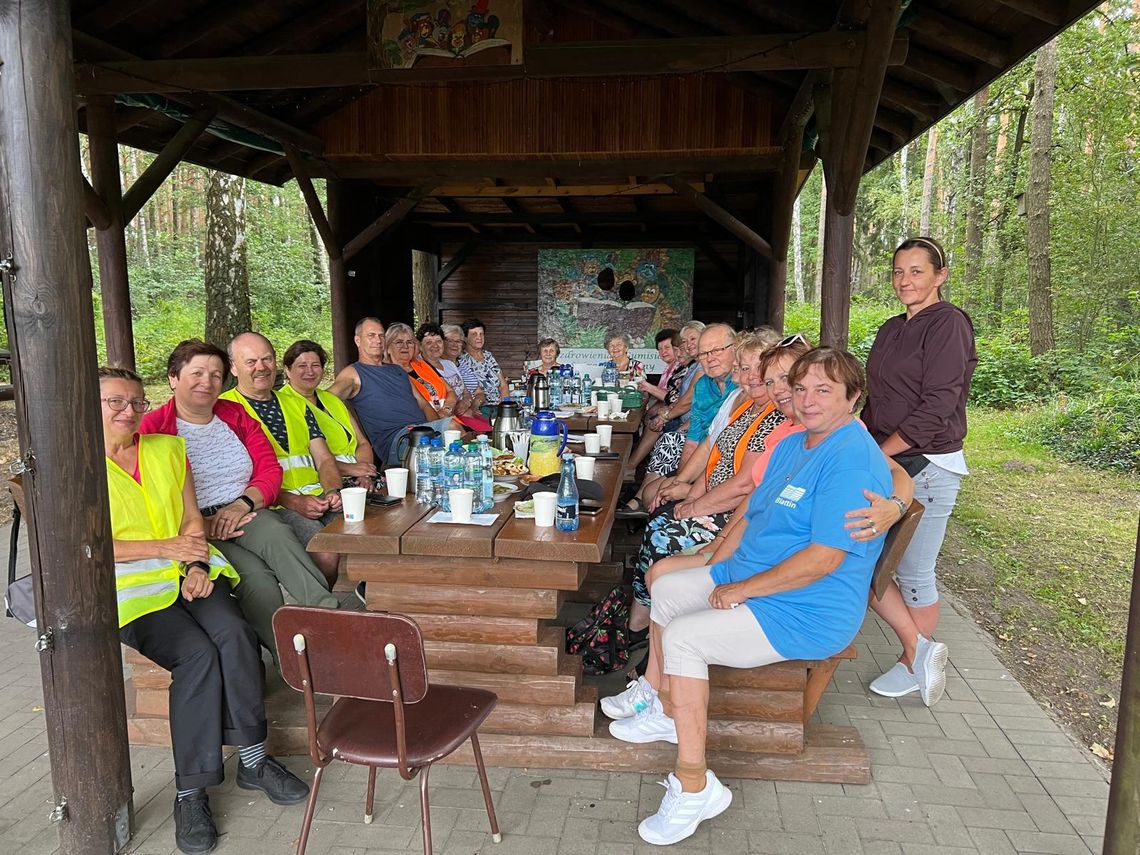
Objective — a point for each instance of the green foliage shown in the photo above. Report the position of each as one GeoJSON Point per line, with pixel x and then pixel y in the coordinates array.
{"type": "Point", "coordinates": [1007, 375]}
{"type": "Point", "coordinates": [1102, 430]}
{"type": "Point", "coordinates": [867, 315]}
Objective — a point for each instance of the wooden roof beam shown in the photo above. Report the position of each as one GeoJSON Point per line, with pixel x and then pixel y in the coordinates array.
{"type": "Point", "coordinates": [960, 36]}
{"type": "Point", "coordinates": [720, 216]}
{"type": "Point", "coordinates": [287, 34]}
{"type": "Point", "coordinates": [228, 109]}
{"type": "Point", "coordinates": [98, 214]}
{"type": "Point", "coordinates": [108, 14]}
{"type": "Point", "coordinates": [313, 202]}
{"type": "Point", "coordinates": [723, 54]}
{"type": "Point", "coordinates": [385, 221]}
{"type": "Point", "coordinates": [1042, 10]}
{"type": "Point", "coordinates": [186, 33]}
{"type": "Point", "coordinates": [939, 69]}
{"type": "Point", "coordinates": [721, 18]}
{"type": "Point", "coordinates": [556, 190]}
{"type": "Point", "coordinates": [655, 15]}
{"type": "Point", "coordinates": [161, 167]}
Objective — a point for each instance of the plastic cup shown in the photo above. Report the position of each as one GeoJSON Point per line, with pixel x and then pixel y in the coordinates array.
{"type": "Point", "coordinates": [605, 435]}
{"type": "Point", "coordinates": [397, 479]}
{"type": "Point", "coordinates": [615, 405]}
{"type": "Point", "coordinates": [593, 443]}
{"type": "Point", "coordinates": [353, 500]}
{"type": "Point", "coordinates": [544, 505]}
{"type": "Point", "coordinates": [584, 467]}
{"type": "Point", "coordinates": [461, 499]}
{"type": "Point", "coordinates": [450, 436]}
{"type": "Point", "coordinates": [520, 444]}
{"type": "Point", "coordinates": [594, 399]}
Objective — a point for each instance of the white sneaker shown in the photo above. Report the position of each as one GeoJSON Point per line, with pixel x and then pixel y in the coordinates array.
{"type": "Point", "coordinates": [895, 683]}
{"type": "Point", "coordinates": [680, 812]}
{"type": "Point", "coordinates": [637, 696]}
{"type": "Point", "coordinates": [649, 725]}
{"type": "Point", "coordinates": [930, 669]}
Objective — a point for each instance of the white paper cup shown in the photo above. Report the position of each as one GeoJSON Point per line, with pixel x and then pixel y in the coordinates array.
{"type": "Point", "coordinates": [461, 499]}
{"type": "Point", "coordinates": [615, 405]}
{"type": "Point", "coordinates": [352, 501]}
{"type": "Point", "coordinates": [544, 504]}
{"type": "Point", "coordinates": [450, 436]}
{"type": "Point", "coordinates": [397, 480]}
{"type": "Point", "coordinates": [605, 435]}
{"type": "Point", "coordinates": [584, 467]}
{"type": "Point", "coordinates": [593, 399]}
{"type": "Point", "coordinates": [593, 443]}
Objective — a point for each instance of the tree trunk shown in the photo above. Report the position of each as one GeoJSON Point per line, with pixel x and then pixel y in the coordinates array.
{"type": "Point", "coordinates": [975, 208]}
{"type": "Point", "coordinates": [1037, 201]}
{"type": "Point", "coordinates": [928, 181]}
{"type": "Point", "coordinates": [817, 286]}
{"type": "Point", "coordinates": [227, 274]}
{"type": "Point", "coordinates": [1008, 201]}
{"type": "Point", "coordinates": [904, 189]}
{"type": "Point", "coordinates": [797, 252]}
{"type": "Point", "coordinates": [319, 257]}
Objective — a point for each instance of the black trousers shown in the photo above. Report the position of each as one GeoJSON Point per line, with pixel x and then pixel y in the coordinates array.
{"type": "Point", "coordinates": [215, 691]}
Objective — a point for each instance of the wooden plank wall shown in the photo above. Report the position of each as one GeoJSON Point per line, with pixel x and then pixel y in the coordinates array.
{"type": "Point", "coordinates": [498, 283]}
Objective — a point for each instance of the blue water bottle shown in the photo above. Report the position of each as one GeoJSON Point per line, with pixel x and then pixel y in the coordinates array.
{"type": "Point", "coordinates": [487, 464]}
{"type": "Point", "coordinates": [424, 489]}
{"type": "Point", "coordinates": [473, 477]}
{"type": "Point", "coordinates": [435, 460]}
{"type": "Point", "coordinates": [566, 512]}
{"type": "Point", "coordinates": [587, 390]}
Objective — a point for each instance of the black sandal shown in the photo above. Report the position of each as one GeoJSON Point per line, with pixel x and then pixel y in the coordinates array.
{"type": "Point", "coordinates": [637, 512]}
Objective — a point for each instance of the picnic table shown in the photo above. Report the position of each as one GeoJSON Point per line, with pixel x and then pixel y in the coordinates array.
{"type": "Point", "coordinates": [492, 603]}
{"type": "Point", "coordinates": [585, 422]}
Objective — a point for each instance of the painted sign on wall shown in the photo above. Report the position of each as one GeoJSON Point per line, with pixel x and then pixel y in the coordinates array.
{"type": "Point", "coordinates": [436, 33]}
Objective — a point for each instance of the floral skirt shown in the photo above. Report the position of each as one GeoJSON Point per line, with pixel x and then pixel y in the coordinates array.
{"type": "Point", "coordinates": [665, 459]}
{"type": "Point", "coordinates": [665, 536]}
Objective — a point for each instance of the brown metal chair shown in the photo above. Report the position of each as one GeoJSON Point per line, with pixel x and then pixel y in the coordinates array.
{"type": "Point", "coordinates": [894, 546]}
{"type": "Point", "coordinates": [386, 713]}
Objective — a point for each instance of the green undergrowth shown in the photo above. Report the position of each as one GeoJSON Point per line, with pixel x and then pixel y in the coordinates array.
{"type": "Point", "coordinates": [1059, 533]}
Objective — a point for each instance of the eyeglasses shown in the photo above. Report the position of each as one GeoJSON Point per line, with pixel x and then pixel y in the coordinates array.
{"type": "Point", "coordinates": [790, 340]}
{"type": "Point", "coordinates": [704, 354]}
{"type": "Point", "coordinates": [139, 405]}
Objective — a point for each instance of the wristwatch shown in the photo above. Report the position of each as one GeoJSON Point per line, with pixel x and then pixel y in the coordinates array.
{"type": "Point", "coordinates": [244, 498]}
{"type": "Point", "coordinates": [201, 565]}
{"type": "Point", "coordinates": [902, 505]}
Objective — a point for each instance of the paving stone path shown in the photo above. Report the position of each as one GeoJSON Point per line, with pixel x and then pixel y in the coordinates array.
{"type": "Point", "coordinates": [985, 772]}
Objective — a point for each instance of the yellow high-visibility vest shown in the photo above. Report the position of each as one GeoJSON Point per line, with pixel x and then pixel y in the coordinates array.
{"type": "Point", "coordinates": [152, 510]}
{"type": "Point", "coordinates": [334, 421]}
{"type": "Point", "coordinates": [299, 473]}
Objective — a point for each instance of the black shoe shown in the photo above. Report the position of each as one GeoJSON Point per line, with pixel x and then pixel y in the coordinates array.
{"type": "Point", "coordinates": [194, 829]}
{"type": "Point", "coordinates": [278, 783]}
{"type": "Point", "coordinates": [636, 638]}
{"type": "Point", "coordinates": [361, 591]}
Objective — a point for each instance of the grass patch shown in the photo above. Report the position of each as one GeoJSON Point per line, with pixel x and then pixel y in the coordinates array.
{"type": "Point", "coordinates": [1060, 537]}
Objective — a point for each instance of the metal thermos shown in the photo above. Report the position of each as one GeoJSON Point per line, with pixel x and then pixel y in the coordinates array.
{"type": "Point", "coordinates": [540, 391]}
{"type": "Point", "coordinates": [506, 422]}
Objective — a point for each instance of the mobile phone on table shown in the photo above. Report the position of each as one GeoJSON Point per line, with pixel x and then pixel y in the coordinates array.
{"type": "Point", "coordinates": [588, 506]}
{"type": "Point", "coordinates": [382, 500]}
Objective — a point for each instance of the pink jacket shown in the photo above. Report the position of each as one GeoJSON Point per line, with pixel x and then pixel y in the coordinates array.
{"type": "Point", "coordinates": [266, 470]}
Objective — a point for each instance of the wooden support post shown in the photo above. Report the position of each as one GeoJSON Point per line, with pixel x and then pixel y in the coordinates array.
{"type": "Point", "coordinates": [845, 114]}
{"type": "Point", "coordinates": [344, 349]}
{"type": "Point", "coordinates": [835, 289]}
{"type": "Point", "coordinates": [50, 322]}
{"type": "Point", "coordinates": [170, 156]}
{"type": "Point", "coordinates": [114, 283]}
{"type": "Point", "coordinates": [787, 186]}
{"type": "Point", "coordinates": [1122, 826]}
{"type": "Point", "coordinates": [719, 215]}
{"type": "Point", "coordinates": [97, 213]}
{"type": "Point", "coordinates": [384, 222]}
{"type": "Point", "coordinates": [313, 201]}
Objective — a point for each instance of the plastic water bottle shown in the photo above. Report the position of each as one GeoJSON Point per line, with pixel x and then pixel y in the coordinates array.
{"type": "Point", "coordinates": [473, 477]}
{"type": "Point", "coordinates": [435, 462]}
{"type": "Point", "coordinates": [487, 464]}
{"type": "Point", "coordinates": [566, 512]}
{"type": "Point", "coordinates": [527, 414]}
{"type": "Point", "coordinates": [555, 379]}
{"type": "Point", "coordinates": [610, 375]}
{"type": "Point", "coordinates": [452, 472]}
{"type": "Point", "coordinates": [424, 487]}
{"type": "Point", "coordinates": [571, 385]}
{"type": "Point", "coordinates": [587, 390]}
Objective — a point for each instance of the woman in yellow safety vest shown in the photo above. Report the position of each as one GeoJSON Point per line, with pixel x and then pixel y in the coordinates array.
{"type": "Point", "coordinates": [175, 608]}
{"type": "Point", "coordinates": [305, 362]}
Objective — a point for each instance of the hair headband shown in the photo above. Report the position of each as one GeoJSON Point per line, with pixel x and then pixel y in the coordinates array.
{"type": "Point", "coordinates": [927, 242]}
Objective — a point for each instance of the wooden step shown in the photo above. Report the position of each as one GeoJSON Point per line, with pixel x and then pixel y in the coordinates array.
{"type": "Point", "coordinates": [477, 628]}
{"type": "Point", "coordinates": [443, 599]}
{"type": "Point", "coordinates": [764, 704]}
{"type": "Point", "coordinates": [490, 572]}
{"type": "Point", "coordinates": [546, 658]}
{"type": "Point", "coordinates": [539, 689]}
{"type": "Point", "coordinates": [755, 735]}
{"type": "Point", "coordinates": [600, 580]}
{"type": "Point", "coordinates": [781, 675]}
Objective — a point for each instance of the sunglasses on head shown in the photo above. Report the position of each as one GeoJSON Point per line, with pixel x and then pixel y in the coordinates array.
{"type": "Point", "coordinates": [790, 340]}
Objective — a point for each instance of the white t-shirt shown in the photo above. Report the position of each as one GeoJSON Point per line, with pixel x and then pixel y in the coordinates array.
{"type": "Point", "coordinates": [723, 416]}
{"type": "Point", "coordinates": [221, 465]}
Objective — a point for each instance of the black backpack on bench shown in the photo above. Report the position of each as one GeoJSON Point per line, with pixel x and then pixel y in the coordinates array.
{"type": "Point", "coordinates": [601, 638]}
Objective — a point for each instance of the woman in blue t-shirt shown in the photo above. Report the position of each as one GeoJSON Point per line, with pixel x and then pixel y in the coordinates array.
{"type": "Point", "coordinates": [795, 588]}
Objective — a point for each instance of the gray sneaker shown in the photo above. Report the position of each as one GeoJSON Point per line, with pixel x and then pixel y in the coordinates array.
{"type": "Point", "coordinates": [930, 669]}
{"type": "Point", "coordinates": [895, 683]}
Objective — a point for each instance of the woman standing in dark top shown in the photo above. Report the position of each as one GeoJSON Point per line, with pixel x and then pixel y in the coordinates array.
{"type": "Point", "coordinates": [919, 372]}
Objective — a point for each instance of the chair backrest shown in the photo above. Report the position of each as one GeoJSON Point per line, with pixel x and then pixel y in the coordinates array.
{"type": "Point", "coordinates": [345, 650]}
{"type": "Point", "coordinates": [897, 540]}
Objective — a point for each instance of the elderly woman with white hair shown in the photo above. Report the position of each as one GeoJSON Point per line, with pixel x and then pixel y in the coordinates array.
{"type": "Point", "coordinates": [629, 370]}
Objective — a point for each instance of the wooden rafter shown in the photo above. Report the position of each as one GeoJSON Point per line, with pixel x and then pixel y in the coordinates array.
{"type": "Point", "coordinates": [720, 216]}
{"type": "Point", "coordinates": [313, 202]}
{"type": "Point", "coordinates": [456, 261]}
{"type": "Point", "coordinates": [286, 34]}
{"type": "Point", "coordinates": [95, 207]}
{"type": "Point", "coordinates": [960, 36]}
{"type": "Point", "coordinates": [555, 190]}
{"type": "Point", "coordinates": [1043, 10]}
{"type": "Point", "coordinates": [940, 69]}
{"type": "Point", "coordinates": [158, 170]}
{"type": "Point", "coordinates": [385, 221]}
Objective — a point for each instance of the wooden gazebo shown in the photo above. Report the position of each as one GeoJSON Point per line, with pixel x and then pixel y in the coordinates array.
{"type": "Point", "coordinates": [613, 123]}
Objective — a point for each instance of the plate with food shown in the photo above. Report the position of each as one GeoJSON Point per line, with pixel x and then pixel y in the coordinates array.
{"type": "Point", "coordinates": [502, 490]}
{"type": "Point", "coordinates": [507, 468]}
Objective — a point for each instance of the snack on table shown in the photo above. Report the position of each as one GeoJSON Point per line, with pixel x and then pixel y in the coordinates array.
{"type": "Point", "coordinates": [508, 464]}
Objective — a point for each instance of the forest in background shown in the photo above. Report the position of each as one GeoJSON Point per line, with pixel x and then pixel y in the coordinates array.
{"type": "Point", "coordinates": [1032, 187]}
